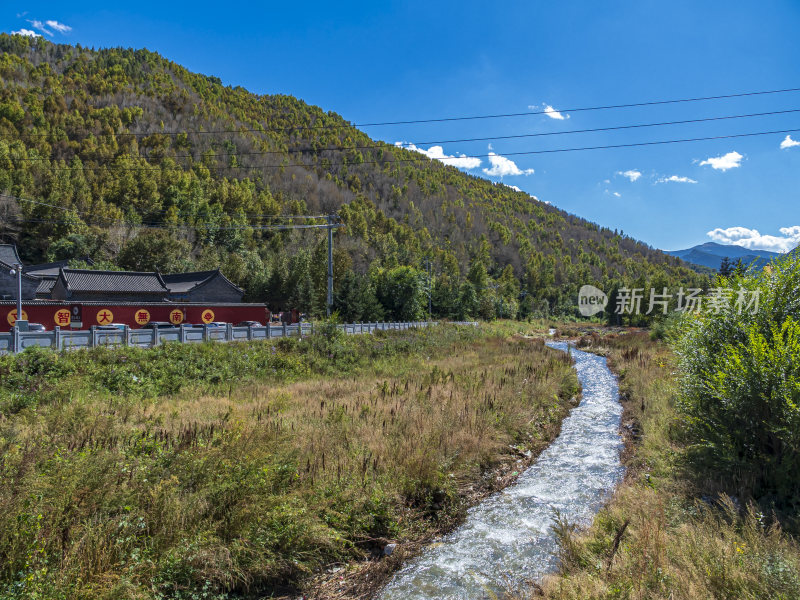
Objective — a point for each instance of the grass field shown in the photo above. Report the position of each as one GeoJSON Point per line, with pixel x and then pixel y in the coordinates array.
{"type": "Point", "coordinates": [249, 470]}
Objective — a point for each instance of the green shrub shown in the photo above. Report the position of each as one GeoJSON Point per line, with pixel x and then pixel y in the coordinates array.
{"type": "Point", "coordinates": [741, 388]}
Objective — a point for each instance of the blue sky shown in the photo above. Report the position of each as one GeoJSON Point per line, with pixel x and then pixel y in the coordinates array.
{"type": "Point", "coordinates": [387, 61]}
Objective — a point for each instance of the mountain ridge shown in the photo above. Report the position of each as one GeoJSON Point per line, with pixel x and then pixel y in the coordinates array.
{"type": "Point", "coordinates": [125, 144]}
{"type": "Point", "coordinates": [711, 254]}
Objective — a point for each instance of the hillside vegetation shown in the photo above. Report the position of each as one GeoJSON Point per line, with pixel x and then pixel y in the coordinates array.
{"type": "Point", "coordinates": [132, 159]}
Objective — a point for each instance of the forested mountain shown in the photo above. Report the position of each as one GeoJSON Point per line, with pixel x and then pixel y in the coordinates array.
{"type": "Point", "coordinates": [711, 254]}
{"type": "Point", "coordinates": [128, 158]}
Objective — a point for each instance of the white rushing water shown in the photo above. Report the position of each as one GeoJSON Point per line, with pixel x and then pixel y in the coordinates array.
{"type": "Point", "coordinates": [508, 537]}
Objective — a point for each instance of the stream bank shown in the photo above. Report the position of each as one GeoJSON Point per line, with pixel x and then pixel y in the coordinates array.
{"type": "Point", "coordinates": [509, 536]}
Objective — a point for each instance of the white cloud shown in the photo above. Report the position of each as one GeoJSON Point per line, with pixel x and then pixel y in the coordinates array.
{"type": "Point", "coordinates": [59, 27]}
{"type": "Point", "coordinates": [549, 111]}
{"type": "Point", "coordinates": [754, 240]}
{"type": "Point", "coordinates": [789, 143]}
{"type": "Point", "coordinates": [675, 179]}
{"type": "Point", "coordinates": [554, 114]}
{"type": "Point", "coordinates": [731, 160]}
{"type": "Point", "coordinates": [632, 174]}
{"type": "Point", "coordinates": [40, 26]}
{"type": "Point", "coordinates": [793, 231]}
{"type": "Point", "coordinates": [26, 33]}
{"type": "Point", "coordinates": [502, 166]}
{"type": "Point", "coordinates": [52, 24]}
{"type": "Point", "coordinates": [437, 152]}
{"type": "Point", "coordinates": [618, 195]}
{"type": "Point", "coordinates": [513, 187]}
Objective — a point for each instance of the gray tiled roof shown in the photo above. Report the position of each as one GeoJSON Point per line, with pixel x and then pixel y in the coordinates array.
{"type": "Point", "coordinates": [50, 272]}
{"type": "Point", "coordinates": [8, 254]}
{"type": "Point", "coordinates": [47, 269]}
{"type": "Point", "coordinates": [8, 266]}
{"type": "Point", "coordinates": [84, 280]}
{"type": "Point", "coordinates": [45, 286]}
{"type": "Point", "coordinates": [183, 282]}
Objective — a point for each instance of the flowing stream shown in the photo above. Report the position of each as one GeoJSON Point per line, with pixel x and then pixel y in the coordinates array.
{"type": "Point", "coordinates": [508, 538]}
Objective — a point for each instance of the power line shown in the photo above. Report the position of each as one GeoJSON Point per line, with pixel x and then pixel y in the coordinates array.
{"type": "Point", "coordinates": [200, 227]}
{"type": "Point", "coordinates": [580, 109]}
{"type": "Point", "coordinates": [408, 145]}
{"type": "Point", "coordinates": [423, 158]}
{"type": "Point", "coordinates": [440, 119]}
{"type": "Point", "coordinates": [10, 197]}
{"type": "Point", "coordinates": [197, 215]}
{"type": "Point", "coordinates": [331, 223]}
{"type": "Point", "coordinates": [633, 145]}
{"type": "Point", "coordinates": [598, 129]}
{"type": "Point", "coordinates": [197, 226]}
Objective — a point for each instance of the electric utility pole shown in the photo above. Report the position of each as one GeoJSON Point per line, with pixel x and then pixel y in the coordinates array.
{"type": "Point", "coordinates": [19, 322]}
{"type": "Point", "coordinates": [430, 288]}
{"type": "Point", "coordinates": [330, 225]}
{"type": "Point", "coordinates": [330, 219]}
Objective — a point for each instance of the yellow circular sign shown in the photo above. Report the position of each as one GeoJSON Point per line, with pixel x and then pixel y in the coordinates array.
{"type": "Point", "coordinates": [176, 316]}
{"type": "Point", "coordinates": [62, 317]}
{"type": "Point", "coordinates": [105, 317]}
{"type": "Point", "coordinates": [12, 316]}
{"type": "Point", "coordinates": [142, 316]}
{"type": "Point", "coordinates": [207, 316]}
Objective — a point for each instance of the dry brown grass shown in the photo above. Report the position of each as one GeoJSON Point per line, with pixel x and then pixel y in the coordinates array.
{"type": "Point", "coordinates": [264, 487]}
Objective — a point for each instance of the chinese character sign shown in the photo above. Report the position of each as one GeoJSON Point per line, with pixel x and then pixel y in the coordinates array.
{"type": "Point", "coordinates": [62, 317]}
{"type": "Point", "coordinates": [142, 317]}
{"type": "Point", "coordinates": [176, 316]}
{"type": "Point", "coordinates": [207, 316]}
{"type": "Point", "coordinates": [105, 317]}
{"type": "Point", "coordinates": [12, 316]}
